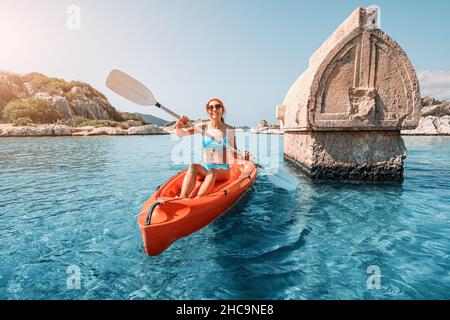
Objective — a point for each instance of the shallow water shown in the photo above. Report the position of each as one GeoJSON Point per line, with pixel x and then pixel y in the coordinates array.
{"type": "Point", "coordinates": [73, 202]}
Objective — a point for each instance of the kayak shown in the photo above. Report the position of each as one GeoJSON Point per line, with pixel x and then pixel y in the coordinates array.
{"type": "Point", "coordinates": [165, 218]}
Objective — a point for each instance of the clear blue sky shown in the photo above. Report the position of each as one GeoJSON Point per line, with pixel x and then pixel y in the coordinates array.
{"type": "Point", "coordinates": [247, 52]}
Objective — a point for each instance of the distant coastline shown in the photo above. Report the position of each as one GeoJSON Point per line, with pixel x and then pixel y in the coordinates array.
{"type": "Point", "coordinates": [264, 127]}
{"type": "Point", "coordinates": [34, 105]}
{"type": "Point", "coordinates": [60, 130]}
{"type": "Point", "coordinates": [37, 105]}
{"type": "Point", "coordinates": [434, 121]}
{"type": "Point", "coordinates": [430, 126]}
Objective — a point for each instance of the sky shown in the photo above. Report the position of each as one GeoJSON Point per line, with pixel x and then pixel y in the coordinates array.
{"type": "Point", "coordinates": [246, 52]}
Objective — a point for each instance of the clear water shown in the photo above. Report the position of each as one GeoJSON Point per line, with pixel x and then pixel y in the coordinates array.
{"type": "Point", "coordinates": [73, 201]}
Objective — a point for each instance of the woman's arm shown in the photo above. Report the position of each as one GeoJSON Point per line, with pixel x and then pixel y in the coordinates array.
{"type": "Point", "coordinates": [234, 145]}
{"type": "Point", "coordinates": [184, 127]}
{"type": "Point", "coordinates": [232, 142]}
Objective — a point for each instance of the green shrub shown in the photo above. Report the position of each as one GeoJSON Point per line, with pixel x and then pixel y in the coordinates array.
{"type": "Point", "coordinates": [22, 122]}
{"type": "Point", "coordinates": [97, 123]}
{"type": "Point", "coordinates": [72, 96]}
{"type": "Point", "coordinates": [49, 85]}
{"type": "Point", "coordinates": [38, 110]}
{"type": "Point", "coordinates": [11, 88]}
{"type": "Point", "coordinates": [64, 122]}
{"type": "Point", "coordinates": [127, 116]}
{"type": "Point", "coordinates": [75, 121]}
{"type": "Point", "coordinates": [36, 79]}
{"type": "Point", "coordinates": [6, 95]}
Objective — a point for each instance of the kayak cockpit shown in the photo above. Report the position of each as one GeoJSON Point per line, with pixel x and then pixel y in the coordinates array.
{"type": "Point", "coordinates": [172, 188]}
{"type": "Point", "coordinates": [165, 218]}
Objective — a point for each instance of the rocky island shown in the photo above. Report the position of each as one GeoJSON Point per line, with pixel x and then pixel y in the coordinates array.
{"type": "Point", "coordinates": [434, 118]}
{"type": "Point", "coordinates": [264, 127]}
{"type": "Point", "coordinates": [37, 105]}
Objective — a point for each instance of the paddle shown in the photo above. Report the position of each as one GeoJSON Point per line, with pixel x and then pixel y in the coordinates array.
{"type": "Point", "coordinates": [131, 89]}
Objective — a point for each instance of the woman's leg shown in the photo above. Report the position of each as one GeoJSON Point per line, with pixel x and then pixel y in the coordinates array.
{"type": "Point", "coordinates": [190, 178]}
{"type": "Point", "coordinates": [213, 176]}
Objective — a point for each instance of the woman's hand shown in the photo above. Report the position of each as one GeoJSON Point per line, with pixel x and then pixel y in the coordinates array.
{"type": "Point", "coordinates": [248, 156]}
{"type": "Point", "coordinates": [184, 127]}
{"type": "Point", "coordinates": [183, 122]}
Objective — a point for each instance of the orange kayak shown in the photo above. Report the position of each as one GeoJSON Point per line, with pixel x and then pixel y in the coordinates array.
{"type": "Point", "coordinates": [166, 218]}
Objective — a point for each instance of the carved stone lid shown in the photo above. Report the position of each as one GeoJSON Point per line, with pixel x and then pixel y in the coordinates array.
{"type": "Point", "coordinates": [359, 79]}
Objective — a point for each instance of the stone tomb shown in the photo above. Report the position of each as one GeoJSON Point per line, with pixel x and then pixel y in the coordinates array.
{"type": "Point", "coordinates": [342, 117]}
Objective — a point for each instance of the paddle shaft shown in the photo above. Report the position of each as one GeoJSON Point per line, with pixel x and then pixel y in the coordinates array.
{"type": "Point", "coordinates": [167, 110]}
{"type": "Point", "coordinates": [198, 130]}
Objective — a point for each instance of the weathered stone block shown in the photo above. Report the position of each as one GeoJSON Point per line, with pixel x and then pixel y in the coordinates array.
{"type": "Point", "coordinates": [343, 115]}
{"type": "Point", "coordinates": [366, 155]}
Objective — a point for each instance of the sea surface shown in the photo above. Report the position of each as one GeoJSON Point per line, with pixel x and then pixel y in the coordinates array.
{"type": "Point", "coordinates": [68, 228]}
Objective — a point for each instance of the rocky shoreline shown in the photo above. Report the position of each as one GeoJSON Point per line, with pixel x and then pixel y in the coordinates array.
{"type": "Point", "coordinates": [434, 118]}
{"type": "Point", "coordinates": [434, 121]}
{"type": "Point", "coordinates": [264, 127]}
{"type": "Point", "coordinates": [55, 130]}
{"type": "Point", "coordinates": [429, 126]}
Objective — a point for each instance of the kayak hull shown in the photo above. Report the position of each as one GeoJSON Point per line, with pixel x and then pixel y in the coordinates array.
{"type": "Point", "coordinates": [173, 218]}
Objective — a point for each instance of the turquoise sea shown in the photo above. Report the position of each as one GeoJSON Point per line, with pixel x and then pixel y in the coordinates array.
{"type": "Point", "coordinates": [68, 209]}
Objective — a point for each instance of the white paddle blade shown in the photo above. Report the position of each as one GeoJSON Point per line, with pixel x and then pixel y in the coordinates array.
{"type": "Point", "coordinates": [129, 88]}
{"type": "Point", "coordinates": [282, 179]}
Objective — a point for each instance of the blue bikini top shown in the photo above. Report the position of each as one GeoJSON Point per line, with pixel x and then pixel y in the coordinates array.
{"type": "Point", "coordinates": [210, 144]}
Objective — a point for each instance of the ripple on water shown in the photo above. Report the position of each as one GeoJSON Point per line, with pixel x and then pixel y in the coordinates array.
{"type": "Point", "coordinates": [73, 201]}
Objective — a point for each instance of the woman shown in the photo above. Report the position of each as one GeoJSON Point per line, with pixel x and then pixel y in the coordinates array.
{"type": "Point", "coordinates": [215, 167]}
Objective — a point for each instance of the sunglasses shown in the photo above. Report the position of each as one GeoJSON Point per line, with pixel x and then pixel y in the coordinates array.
{"type": "Point", "coordinates": [216, 106]}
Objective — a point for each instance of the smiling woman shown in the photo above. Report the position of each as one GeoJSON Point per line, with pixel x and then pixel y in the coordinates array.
{"type": "Point", "coordinates": [216, 160]}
